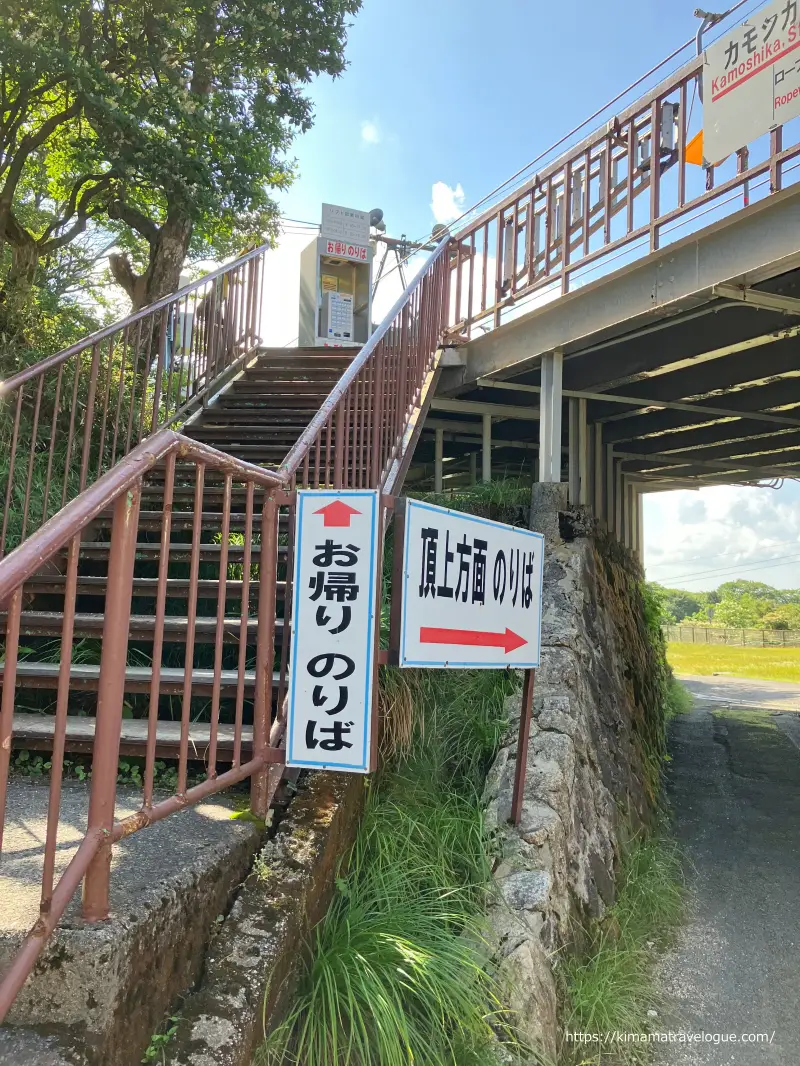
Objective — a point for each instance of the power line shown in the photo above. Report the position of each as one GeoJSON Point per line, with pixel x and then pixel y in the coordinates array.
{"type": "Point", "coordinates": [730, 571]}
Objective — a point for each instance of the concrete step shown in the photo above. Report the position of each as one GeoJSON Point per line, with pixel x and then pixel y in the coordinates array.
{"type": "Point", "coordinates": [102, 988]}
{"type": "Point", "coordinates": [35, 731]}
{"type": "Point", "coordinates": [33, 674]}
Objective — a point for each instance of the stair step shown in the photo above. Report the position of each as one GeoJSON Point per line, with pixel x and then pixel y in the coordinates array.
{"type": "Point", "coordinates": [99, 550]}
{"type": "Point", "coordinates": [36, 731]}
{"type": "Point", "coordinates": [184, 520]}
{"type": "Point", "coordinates": [177, 587]}
{"type": "Point", "coordinates": [137, 678]}
{"type": "Point", "coordinates": [142, 627]}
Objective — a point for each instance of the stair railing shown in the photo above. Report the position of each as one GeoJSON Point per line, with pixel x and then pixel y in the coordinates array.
{"type": "Point", "coordinates": [362, 436]}
{"type": "Point", "coordinates": [258, 756]}
{"type": "Point", "coordinates": [68, 418]}
{"type": "Point", "coordinates": [364, 426]}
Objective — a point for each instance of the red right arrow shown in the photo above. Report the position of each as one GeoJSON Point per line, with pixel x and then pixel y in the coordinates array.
{"type": "Point", "coordinates": [475, 638]}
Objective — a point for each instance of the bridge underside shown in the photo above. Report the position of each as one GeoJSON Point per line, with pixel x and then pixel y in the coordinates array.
{"type": "Point", "coordinates": [680, 370]}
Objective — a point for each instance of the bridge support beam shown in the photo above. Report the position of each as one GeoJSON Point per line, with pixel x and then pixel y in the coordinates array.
{"type": "Point", "coordinates": [486, 472]}
{"type": "Point", "coordinates": [438, 460]}
{"type": "Point", "coordinates": [550, 417]}
{"type": "Point", "coordinates": [599, 471]}
{"type": "Point", "coordinates": [579, 469]}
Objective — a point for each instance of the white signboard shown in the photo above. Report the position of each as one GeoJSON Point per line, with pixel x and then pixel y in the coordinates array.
{"type": "Point", "coordinates": [333, 630]}
{"type": "Point", "coordinates": [347, 250]}
{"type": "Point", "coordinates": [751, 79]}
{"type": "Point", "coordinates": [472, 591]}
{"type": "Point", "coordinates": [345, 225]}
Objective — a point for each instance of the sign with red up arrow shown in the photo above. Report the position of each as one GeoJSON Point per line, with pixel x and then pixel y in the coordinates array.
{"type": "Point", "coordinates": [333, 628]}
{"type": "Point", "coordinates": [471, 591]}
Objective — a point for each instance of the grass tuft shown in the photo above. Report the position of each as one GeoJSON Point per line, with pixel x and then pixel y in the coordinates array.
{"type": "Point", "coordinates": [679, 700]}
{"type": "Point", "coordinates": [613, 988]}
{"type": "Point", "coordinates": [396, 973]}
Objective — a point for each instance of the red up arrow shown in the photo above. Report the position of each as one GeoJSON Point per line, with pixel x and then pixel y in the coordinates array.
{"type": "Point", "coordinates": [475, 638]}
{"type": "Point", "coordinates": [337, 513]}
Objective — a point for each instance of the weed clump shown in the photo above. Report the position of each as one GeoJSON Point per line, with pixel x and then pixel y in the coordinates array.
{"type": "Point", "coordinates": [396, 971]}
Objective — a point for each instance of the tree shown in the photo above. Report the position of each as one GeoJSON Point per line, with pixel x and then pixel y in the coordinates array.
{"type": "Point", "coordinates": [166, 122]}
{"type": "Point", "coordinates": [743, 611]}
{"type": "Point", "coordinates": [681, 604]}
{"type": "Point", "coordinates": [787, 616]}
{"type": "Point", "coordinates": [735, 590]}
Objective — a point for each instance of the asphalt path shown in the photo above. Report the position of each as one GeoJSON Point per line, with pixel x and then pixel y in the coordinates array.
{"type": "Point", "coordinates": [734, 785]}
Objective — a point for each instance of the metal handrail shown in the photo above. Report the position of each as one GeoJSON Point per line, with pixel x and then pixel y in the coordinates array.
{"type": "Point", "coordinates": [120, 490]}
{"type": "Point", "coordinates": [69, 417]}
{"type": "Point", "coordinates": [362, 422]}
{"type": "Point", "coordinates": [50, 361]}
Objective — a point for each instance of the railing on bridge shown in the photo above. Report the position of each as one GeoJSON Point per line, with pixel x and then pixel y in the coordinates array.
{"type": "Point", "coordinates": [623, 191]}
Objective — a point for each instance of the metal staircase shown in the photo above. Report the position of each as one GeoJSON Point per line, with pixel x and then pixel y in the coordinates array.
{"type": "Point", "coordinates": [145, 599]}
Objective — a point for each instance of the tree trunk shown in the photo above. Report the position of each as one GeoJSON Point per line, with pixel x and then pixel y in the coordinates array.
{"type": "Point", "coordinates": [17, 308]}
{"type": "Point", "coordinates": [167, 257]}
{"type": "Point", "coordinates": [169, 246]}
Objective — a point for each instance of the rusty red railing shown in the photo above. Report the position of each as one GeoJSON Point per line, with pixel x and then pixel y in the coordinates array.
{"type": "Point", "coordinates": [170, 459]}
{"type": "Point", "coordinates": [241, 517]}
{"type": "Point", "coordinates": [359, 433]}
{"type": "Point", "coordinates": [621, 192]}
{"type": "Point", "coordinates": [71, 416]}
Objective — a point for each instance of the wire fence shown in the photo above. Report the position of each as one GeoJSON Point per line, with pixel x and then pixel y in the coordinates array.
{"type": "Point", "coordinates": [745, 638]}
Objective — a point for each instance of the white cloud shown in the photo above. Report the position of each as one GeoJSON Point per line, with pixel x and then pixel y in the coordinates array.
{"type": "Point", "coordinates": [697, 540]}
{"type": "Point", "coordinates": [447, 203]}
{"type": "Point", "coordinates": [370, 132]}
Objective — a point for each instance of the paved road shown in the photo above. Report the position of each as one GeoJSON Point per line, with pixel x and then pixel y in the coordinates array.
{"type": "Point", "coordinates": [744, 691]}
{"type": "Point", "coordinates": [735, 789]}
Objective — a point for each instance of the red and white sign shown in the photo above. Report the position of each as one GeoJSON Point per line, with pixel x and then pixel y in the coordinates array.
{"type": "Point", "coordinates": [359, 252]}
{"type": "Point", "coordinates": [472, 591]}
{"type": "Point", "coordinates": [751, 79]}
{"type": "Point", "coordinates": [333, 631]}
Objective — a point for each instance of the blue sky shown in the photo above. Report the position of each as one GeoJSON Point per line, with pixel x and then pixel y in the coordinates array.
{"type": "Point", "coordinates": [444, 100]}
{"type": "Point", "coordinates": [466, 92]}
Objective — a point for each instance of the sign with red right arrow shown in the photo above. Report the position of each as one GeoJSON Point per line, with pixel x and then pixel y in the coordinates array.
{"type": "Point", "coordinates": [471, 591]}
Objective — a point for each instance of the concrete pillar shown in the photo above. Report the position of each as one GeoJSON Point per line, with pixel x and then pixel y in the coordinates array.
{"type": "Point", "coordinates": [473, 467]}
{"type": "Point", "coordinates": [599, 480]}
{"type": "Point", "coordinates": [584, 465]}
{"type": "Point", "coordinates": [486, 473]}
{"type": "Point", "coordinates": [438, 461]}
{"type": "Point", "coordinates": [611, 490]}
{"type": "Point", "coordinates": [550, 401]}
{"type": "Point", "coordinates": [573, 453]}
{"type": "Point", "coordinates": [619, 501]}
{"type": "Point", "coordinates": [640, 525]}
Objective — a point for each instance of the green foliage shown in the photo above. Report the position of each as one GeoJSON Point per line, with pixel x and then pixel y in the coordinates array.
{"type": "Point", "coordinates": [734, 605]}
{"type": "Point", "coordinates": [156, 1049]}
{"type": "Point", "coordinates": [166, 124]}
{"type": "Point", "coordinates": [79, 768]}
{"type": "Point", "coordinates": [612, 987]}
{"type": "Point", "coordinates": [396, 973]}
{"type": "Point", "coordinates": [679, 699]}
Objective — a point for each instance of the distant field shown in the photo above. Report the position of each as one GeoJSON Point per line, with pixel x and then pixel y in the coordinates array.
{"type": "Point", "coordinates": [767, 664]}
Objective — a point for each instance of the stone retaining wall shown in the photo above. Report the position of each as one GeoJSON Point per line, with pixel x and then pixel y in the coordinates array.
{"type": "Point", "coordinates": [595, 740]}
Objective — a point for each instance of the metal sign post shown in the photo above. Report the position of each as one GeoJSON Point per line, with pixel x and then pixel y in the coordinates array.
{"type": "Point", "coordinates": [331, 684]}
{"type": "Point", "coordinates": [471, 592]}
